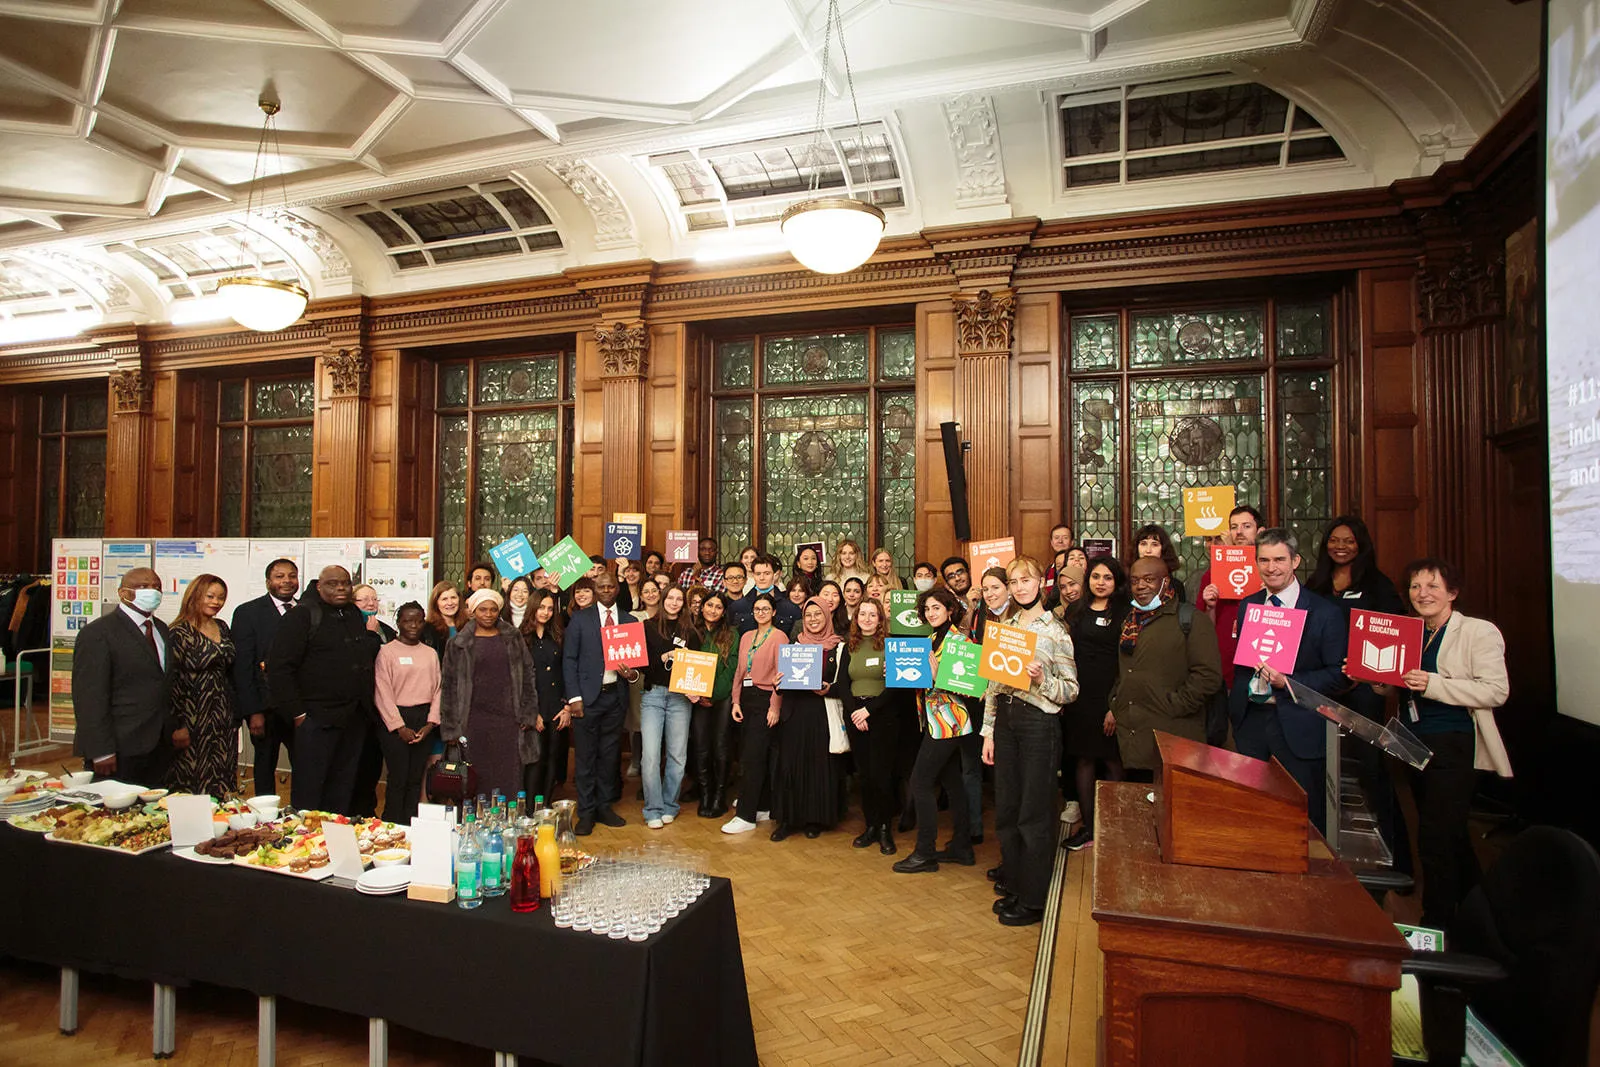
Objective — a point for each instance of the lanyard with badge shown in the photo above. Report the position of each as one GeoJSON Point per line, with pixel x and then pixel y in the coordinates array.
{"type": "Point", "coordinates": [1411, 696]}
{"type": "Point", "coordinates": [750, 658]}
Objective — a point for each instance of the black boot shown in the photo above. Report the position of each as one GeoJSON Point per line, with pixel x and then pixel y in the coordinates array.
{"type": "Point", "coordinates": [868, 836]}
{"type": "Point", "coordinates": [886, 840]}
{"type": "Point", "coordinates": [714, 798]}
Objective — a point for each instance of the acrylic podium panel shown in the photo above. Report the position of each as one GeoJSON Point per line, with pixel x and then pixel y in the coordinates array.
{"type": "Point", "coordinates": [1213, 967]}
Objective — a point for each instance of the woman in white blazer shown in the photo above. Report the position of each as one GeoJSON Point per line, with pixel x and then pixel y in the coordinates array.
{"type": "Point", "coordinates": [1449, 702]}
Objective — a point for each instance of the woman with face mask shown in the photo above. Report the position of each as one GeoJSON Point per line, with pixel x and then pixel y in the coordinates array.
{"type": "Point", "coordinates": [924, 577]}
{"type": "Point", "coordinates": [996, 598]}
{"type": "Point", "coordinates": [1022, 740]}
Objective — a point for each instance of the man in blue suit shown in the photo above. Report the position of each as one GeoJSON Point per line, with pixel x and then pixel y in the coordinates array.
{"type": "Point", "coordinates": [598, 702]}
{"type": "Point", "coordinates": [1267, 723]}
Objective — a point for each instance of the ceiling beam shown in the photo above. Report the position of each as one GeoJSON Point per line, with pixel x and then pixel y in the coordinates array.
{"type": "Point", "coordinates": [161, 182]}
{"type": "Point", "coordinates": [1031, 14]}
{"type": "Point", "coordinates": [67, 207]}
{"type": "Point", "coordinates": [470, 25]}
{"type": "Point", "coordinates": [380, 125]}
{"type": "Point", "coordinates": [181, 27]}
{"type": "Point", "coordinates": [525, 110]}
{"type": "Point", "coordinates": [745, 82]}
{"type": "Point", "coordinates": [800, 27]}
{"type": "Point", "coordinates": [47, 11]}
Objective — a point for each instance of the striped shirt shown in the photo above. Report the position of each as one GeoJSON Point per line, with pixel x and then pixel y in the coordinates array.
{"type": "Point", "coordinates": [1058, 685]}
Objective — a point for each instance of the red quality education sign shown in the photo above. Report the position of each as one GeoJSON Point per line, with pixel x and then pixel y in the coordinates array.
{"type": "Point", "coordinates": [624, 646]}
{"type": "Point", "coordinates": [1383, 647]}
{"type": "Point", "coordinates": [1233, 571]}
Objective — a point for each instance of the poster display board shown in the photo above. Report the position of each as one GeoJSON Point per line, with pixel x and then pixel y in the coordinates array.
{"type": "Point", "coordinates": [75, 597]}
{"type": "Point", "coordinates": [180, 562]}
{"type": "Point", "coordinates": [398, 569]}
{"type": "Point", "coordinates": [263, 554]}
{"type": "Point", "coordinates": [331, 552]}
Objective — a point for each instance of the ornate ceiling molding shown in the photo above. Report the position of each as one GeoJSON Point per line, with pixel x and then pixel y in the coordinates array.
{"type": "Point", "coordinates": [336, 265]}
{"type": "Point", "coordinates": [984, 321]}
{"type": "Point", "coordinates": [624, 349]}
{"type": "Point", "coordinates": [613, 225]}
{"type": "Point", "coordinates": [975, 141]}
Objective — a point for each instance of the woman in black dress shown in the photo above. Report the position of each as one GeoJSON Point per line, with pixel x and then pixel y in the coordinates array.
{"type": "Point", "coordinates": [488, 695]}
{"type": "Point", "coordinates": [806, 793]}
{"type": "Point", "coordinates": [201, 654]}
{"type": "Point", "coordinates": [1095, 623]}
{"type": "Point", "coordinates": [541, 628]}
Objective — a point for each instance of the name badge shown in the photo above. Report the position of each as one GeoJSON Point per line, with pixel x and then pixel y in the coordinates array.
{"type": "Point", "coordinates": [873, 662]}
{"type": "Point", "coordinates": [405, 661]}
{"type": "Point", "coordinates": [749, 682]}
{"type": "Point", "coordinates": [1101, 620]}
{"type": "Point", "coordinates": [1352, 594]}
{"type": "Point", "coordinates": [680, 642]}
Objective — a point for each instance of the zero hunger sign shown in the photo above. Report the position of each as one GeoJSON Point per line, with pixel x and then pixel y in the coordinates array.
{"type": "Point", "coordinates": [1205, 510]}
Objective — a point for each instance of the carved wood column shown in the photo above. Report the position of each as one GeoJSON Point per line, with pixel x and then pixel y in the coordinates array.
{"type": "Point", "coordinates": [624, 362]}
{"type": "Point", "coordinates": [340, 434]}
{"type": "Point", "coordinates": [129, 436]}
{"type": "Point", "coordinates": [983, 349]}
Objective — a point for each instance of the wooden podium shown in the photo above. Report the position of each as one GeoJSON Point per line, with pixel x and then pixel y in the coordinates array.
{"type": "Point", "coordinates": [1209, 963]}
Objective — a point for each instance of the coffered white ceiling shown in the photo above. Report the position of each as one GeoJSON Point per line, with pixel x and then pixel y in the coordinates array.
{"type": "Point", "coordinates": [130, 122]}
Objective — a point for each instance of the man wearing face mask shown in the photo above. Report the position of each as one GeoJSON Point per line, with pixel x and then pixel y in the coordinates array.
{"type": "Point", "coordinates": [122, 686]}
{"type": "Point", "coordinates": [1167, 669]}
{"type": "Point", "coordinates": [1267, 723]}
{"type": "Point", "coordinates": [320, 671]}
{"type": "Point", "coordinates": [764, 579]}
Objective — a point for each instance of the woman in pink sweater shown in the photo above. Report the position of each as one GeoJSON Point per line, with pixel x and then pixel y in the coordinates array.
{"type": "Point", "coordinates": [756, 703]}
{"type": "Point", "coordinates": [408, 700]}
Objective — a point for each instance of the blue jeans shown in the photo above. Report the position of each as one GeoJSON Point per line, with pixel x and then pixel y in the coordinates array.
{"type": "Point", "coordinates": [663, 712]}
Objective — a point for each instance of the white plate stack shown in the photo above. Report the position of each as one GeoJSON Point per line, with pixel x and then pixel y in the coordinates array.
{"type": "Point", "coordinates": [31, 805]}
{"type": "Point", "coordinates": [384, 881]}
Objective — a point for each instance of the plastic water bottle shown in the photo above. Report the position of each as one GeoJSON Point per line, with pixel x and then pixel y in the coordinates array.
{"type": "Point", "coordinates": [468, 890]}
{"type": "Point", "coordinates": [492, 850]}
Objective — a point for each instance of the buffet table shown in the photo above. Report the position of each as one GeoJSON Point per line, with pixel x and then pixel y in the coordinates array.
{"type": "Point", "coordinates": [487, 977]}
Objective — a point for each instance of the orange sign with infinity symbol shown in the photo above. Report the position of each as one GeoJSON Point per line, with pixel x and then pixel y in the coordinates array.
{"type": "Point", "coordinates": [1007, 651]}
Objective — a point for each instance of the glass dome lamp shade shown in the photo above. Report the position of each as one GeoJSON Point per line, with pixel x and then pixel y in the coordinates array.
{"type": "Point", "coordinates": [833, 234]}
{"type": "Point", "coordinates": [262, 304]}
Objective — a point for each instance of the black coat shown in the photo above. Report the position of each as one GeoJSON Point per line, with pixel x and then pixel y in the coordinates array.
{"type": "Point", "coordinates": [255, 624]}
{"type": "Point", "coordinates": [121, 694]}
{"type": "Point", "coordinates": [547, 680]}
{"type": "Point", "coordinates": [325, 670]}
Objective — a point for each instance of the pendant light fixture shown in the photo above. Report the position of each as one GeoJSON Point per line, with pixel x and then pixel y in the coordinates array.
{"type": "Point", "coordinates": [832, 234]}
{"type": "Point", "coordinates": [255, 301]}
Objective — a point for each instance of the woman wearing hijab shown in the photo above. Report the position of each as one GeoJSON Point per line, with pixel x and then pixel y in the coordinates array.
{"type": "Point", "coordinates": [945, 721]}
{"type": "Point", "coordinates": [488, 696]}
{"type": "Point", "coordinates": [807, 792]}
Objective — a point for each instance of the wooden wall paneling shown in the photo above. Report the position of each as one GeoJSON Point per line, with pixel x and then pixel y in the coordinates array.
{"type": "Point", "coordinates": [383, 444]}
{"type": "Point", "coordinates": [134, 448]}
{"type": "Point", "coordinates": [19, 479]}
{"type": "Point", "coordinates": [936, 393]}
{"type": "Point", "coordinates": [339, 444]}
{"type": "Point", "coordinates": [413, 442]}
{"type": "Point", "coordinates": [670, 413]}
{"type": "Point", "coordinates": [1391, 491]}
{"type": "Point", "coordinates": [588, 523]}
{"type": "Point", "coordinates": [985, 339]}
{"type": "Point", "coordinates": [193, 501]}
{"type": "Point", "coordinates": [1457, 361]}
{"type": "Point", "coordinates": [1036, 444]}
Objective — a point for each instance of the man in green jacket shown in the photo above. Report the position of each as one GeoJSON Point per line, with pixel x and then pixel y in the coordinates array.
{"type": "Point", "coordinates": [1168, 668]}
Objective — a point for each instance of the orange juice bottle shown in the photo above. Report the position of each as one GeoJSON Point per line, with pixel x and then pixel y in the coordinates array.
{"type": "Point", "coordinates": [549, 854]}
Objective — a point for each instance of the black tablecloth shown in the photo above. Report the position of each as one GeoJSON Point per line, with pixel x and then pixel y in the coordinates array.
{"type": "Point", "coordinates": [487, 977]}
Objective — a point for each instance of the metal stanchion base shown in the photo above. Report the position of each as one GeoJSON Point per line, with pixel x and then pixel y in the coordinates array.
{"type": "Point", "coordinates": [164, 1022]}
{"type": "Point", "coordinates": [69, 1001]}
{"type": "Point", "coordinates": [377, 1042]}
{"type": "Point", "coordinates": [266, 1032]}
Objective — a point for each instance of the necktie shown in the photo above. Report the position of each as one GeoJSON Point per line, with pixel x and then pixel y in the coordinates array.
{"type": "Point", "coordinates": [611, 620]}
{"type": "Point", "coordinates": [284, 606]}
{"type": "Point", "coordinates": [1275, 601]}
{"type": "Point", "coordinates": [150, 632]}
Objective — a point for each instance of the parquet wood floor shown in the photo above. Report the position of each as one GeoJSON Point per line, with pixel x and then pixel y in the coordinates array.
{"type": "Point", "coordinates": [847, 963]}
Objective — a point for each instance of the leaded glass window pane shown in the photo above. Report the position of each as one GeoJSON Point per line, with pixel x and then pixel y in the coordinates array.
{"type": "Point", "coordinates": [897, 353]}
{"type": "Point", "coordinates": [732, 423]}
{"type": "Point", "coordinates": [735, 364]}
{"type": "Point", "coordinates": [86, 412]}
{"type": "Point", "coordinates": [806, 360]}
{"type": "Point", "coordinates": [516, 479]}
{"type": "Point", "coordinates": [294, 399]}
{"type": "Point", "coordinates": [1096, 457]}
{"type": "Point", "coordinates": [1305, 419]}
{"type": "Point", "coordinates": [572, 377]}
{"type": "Point", "coordinates": [455, 385]}
{"type": "Point", "coordinates": [50, 489]}
{"type": "Point", "coordinates": [52, 414]}
{"type": "Point", "coordinates": [86, 485]}
{"type": "Point", "coordinates": [230, 468]}
{"type": "Point", "coordinates": [232, 402]}
{"type": "Point", "coordinates": [1303, 330]}
{"type": "Point", "coordinates": [451, 540]}
{"type": "Point", "coordinates": [518, 381]}
{"type": "Point", "coordinates": [1190, 432]}
{"type": "Point", "coordinates": [1180, 337]}
{"type": "Point", "coordinates": [1096, 342]}
{"type": "Point", "coordinates": [280, 481]}
{"type": "Point", "coordinates": [815, 454]}
{"type": "Point", "coordinates": [897, 477]}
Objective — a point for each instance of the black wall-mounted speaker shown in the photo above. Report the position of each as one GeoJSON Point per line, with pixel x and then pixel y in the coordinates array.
{"type": "Point", "coordinates": [956, 473]}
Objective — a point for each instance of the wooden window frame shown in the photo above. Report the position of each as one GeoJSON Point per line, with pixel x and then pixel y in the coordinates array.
{"type": "Point", "coordinates": [249, 424]}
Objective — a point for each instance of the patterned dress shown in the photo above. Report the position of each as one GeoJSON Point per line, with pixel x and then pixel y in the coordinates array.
{"type": "Point", "coordinates": [202, 700]}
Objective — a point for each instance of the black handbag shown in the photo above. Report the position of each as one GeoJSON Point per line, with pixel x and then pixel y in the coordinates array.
{"type": "Point", "coordinates": [453, 777]}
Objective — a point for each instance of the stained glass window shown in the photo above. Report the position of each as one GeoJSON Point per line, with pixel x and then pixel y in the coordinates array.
{"type": "Point", "coordinates": [897, 475]}
{"type": "Point", "coordinates": [72, 462]}
{"type": "Point", "coordinates": [1097, 458]}
{"type": "Point", "coordinates": [732, 431]}
{"type": "Point", "coordinates": [897, 353]}
{"type": "Point", "coordinates": [1193, 337]}
{"type": "Point", "coordinates": [834, 357]}
{"type": "Point", "coordinates": [1303, 330]}
{"type": "Point", "coordinates": [735, 367]}
{"type": "Point", "coordinates": [516, 483]}
{"type": "Point", "coordinates": [505, 447]}
{"type": "Point", "coordinates": [1305, 417]}
{"type": "Point", "coordinates": [264, 439]}
{"type": "Point", "coordinates": [1191, 432]}
{"type": "Point", "coordinates": [1096, 342]}
{"type": "Point", "coordinates": [815, 454]}
{"type": "Point", "coordinates": [86, 413]}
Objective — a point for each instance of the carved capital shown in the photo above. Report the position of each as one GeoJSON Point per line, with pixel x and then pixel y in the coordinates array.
{"type": "Point", "coordinates": [1455, 290]}
{"type": "Point", "coordinates": [349, 372]}
{"type": "Point", "coordinates": [624, 349]}
{"type": "Point", "coordinates": [132, 390]}
{"type": "Point", "coordinates": [983, 322]}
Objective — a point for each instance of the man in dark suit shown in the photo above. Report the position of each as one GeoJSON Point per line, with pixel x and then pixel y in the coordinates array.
{"type": "Point", "coordinates": [320, 672]}
{"type": "Point", "coordinates": [1267, 723]}
{"type": "Point", "coordinates": [597, 702]}
{"type": "Point", "coordinates": [255, 624]}
{"type": "Point", "coordinates": [122, 686]}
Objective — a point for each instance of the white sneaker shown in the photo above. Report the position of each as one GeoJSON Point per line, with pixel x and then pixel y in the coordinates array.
{"type": "Point", "coordinates": [763, 816]}
{"type": "Point", "coordinates": [633, 770]}
{"type": "Point", "coordinates": [668, 818]}
{"type": "Point", "coordinates": [737, 825]}
{"type": "Point", "coordinates": [654, 824]}
{"type": "Point", "coordinates": [1071, 813]}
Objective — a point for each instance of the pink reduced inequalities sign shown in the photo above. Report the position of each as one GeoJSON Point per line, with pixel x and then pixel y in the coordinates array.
{"type": "Point", "coordinates": [1270, 635]}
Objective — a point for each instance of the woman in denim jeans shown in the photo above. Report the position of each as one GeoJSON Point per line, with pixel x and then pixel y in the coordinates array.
{"type": "Point", "coordinates": [664, 714]}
